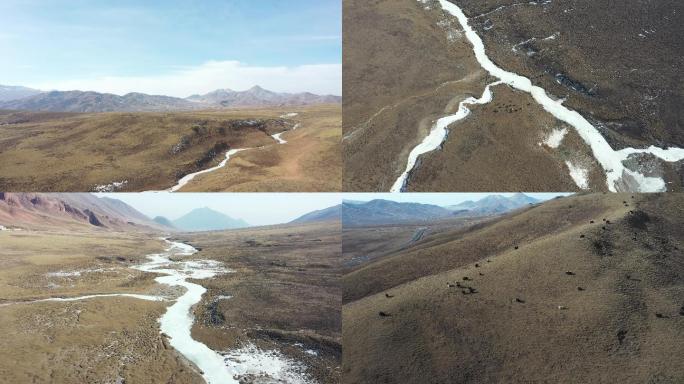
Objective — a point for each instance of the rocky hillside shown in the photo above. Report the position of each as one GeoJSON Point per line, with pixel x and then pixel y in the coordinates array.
{"type": "Point", "coordinates": [40, 210]}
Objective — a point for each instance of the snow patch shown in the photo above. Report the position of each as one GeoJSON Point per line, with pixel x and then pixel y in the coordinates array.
{"type": "Point", "coordinates": [278, 139]}
{"type": "Point", "coordinates": [111, 187]}
{"type": "Point", "coordinates": [250, 361]}
{"type": "Point", "coordinates": [88, 297]}
{"type": "Point", "coordinates": [554, 139]}
{"type": "Point", "coordinates": [78, 272]}
{"type": "Point", "coordinates": [579, 175]}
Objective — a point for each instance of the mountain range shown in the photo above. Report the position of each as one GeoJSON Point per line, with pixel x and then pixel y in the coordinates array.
{"type": "Point", "coordinates": [71, 209]}
{"type": "Point", "coordinates": [21, 98]}
{"type": "Point", "coordinates": [202, 219]}
{"type": "Point", "coordinates": [493, 204]}
{"type": "Point", "coordinates": [327, 214]}
{"type": "Point", "coordinates": [377, 212]}
{"type": "Point", "coordinates": [8, 92]}
{"type": "Point", "coordinates": [257, 96]}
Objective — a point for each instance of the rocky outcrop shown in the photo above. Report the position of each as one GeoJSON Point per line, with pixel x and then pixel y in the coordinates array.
{"type": "Point", "coordinates": [54, 209]}
{"type": "Point", "coordinates": [93, 219]}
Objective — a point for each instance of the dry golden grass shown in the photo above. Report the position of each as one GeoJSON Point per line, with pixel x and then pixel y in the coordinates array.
{"type": "Point", "coordinates": [285, 288]}
{"type": "Point", "coordinates": [499, 147]}
{"type": "Point", "coordinates": [29, 256]}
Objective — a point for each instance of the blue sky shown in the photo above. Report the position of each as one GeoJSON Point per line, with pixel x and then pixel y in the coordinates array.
{"type": "Point", "coordinates": [144, 44]}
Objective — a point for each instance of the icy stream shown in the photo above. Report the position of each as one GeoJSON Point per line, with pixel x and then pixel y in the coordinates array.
{"type": "Point", "coordinates": [618, 177]}
{"type": "Point", "coordinates": [177, 323]}
{"type": "Point", "coordinates": [187, 178]}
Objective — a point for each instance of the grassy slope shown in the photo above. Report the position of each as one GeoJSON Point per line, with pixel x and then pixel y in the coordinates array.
{"type": "Point", "coordinates": [608, 333]}
{"type": "Point", "coordinates": [360, 245]}
{"type": "Point", "coordinates": [625, 69]}
{"type": "Point", "coordinates": [310, 161]}
{"type": "Point", "coordinates": [75, 152]}
{"type": "Point", "coordinates": [405, 66]}
{"type": "Point", "coordinates": [513, 128]}
{"type": "Point", "coordinates": [393, 88]}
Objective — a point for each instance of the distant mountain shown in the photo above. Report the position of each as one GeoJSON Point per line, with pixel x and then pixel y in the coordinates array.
{"type": "Point", "coordinates": [354, 201]}
{"type": "Point", "coordinates": [332, 213]}
{"type": "Point", "coordinates": [206, 219]}
{"type": "Point", "coordinates": [161, 220]}
{"type": "Point", "coordinates": [390, 212]}
{"type": "Point", "coordinates": [8, 92]}
{"type": "Point", "coordinates": [466, 205]}
{"type": "Point", "coordinates": [493, 204]}
{"type": "Point", "coordinates": [78, 101]}
{"type": "Point", "coordinates": [70, 209]}
{"type": "Point", "coordinates": [257, 96]}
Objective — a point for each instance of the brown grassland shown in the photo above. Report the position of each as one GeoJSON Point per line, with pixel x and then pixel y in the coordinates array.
{"type": "Point", "coordinates": [310, 161]}
{"type": "Point", "coordinates": [285, 296]}
{"type": "Point", "coordinates": [53, 152]}
{"type": "Point", "coordinates": [580, 289]}
{"type": "Point", "coordinates": [407, 63]}
{"type": "Point", "coordinates": [96, 340]}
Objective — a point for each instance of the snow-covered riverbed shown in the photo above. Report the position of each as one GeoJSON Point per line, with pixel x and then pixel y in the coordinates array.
{"type": "Point", "coordinates": [438, 134]}
{"type": "Point", "coordinates": [618, 177]}
{"type": "Point", "coordinates": [176, 323]}
{"type": "Point", "coordinates": [278, 139]}
{"type": "Point", "coordinates": [187, 178]}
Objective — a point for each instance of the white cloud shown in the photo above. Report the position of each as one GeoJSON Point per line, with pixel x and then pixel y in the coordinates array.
{"type": "Point", "coordinates": [317, 78]}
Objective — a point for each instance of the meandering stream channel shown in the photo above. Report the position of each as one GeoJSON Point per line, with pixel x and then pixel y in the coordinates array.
{"type": "Point", "coordinates": [177, 323]}
{"type": "Point", "coordinates": [618, 177]}
{"type": "Point", "coordinates": [188, 178]}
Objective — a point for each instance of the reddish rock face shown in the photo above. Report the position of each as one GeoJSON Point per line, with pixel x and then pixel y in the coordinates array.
{"type": "Point", "coordinates": [82, 209]}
